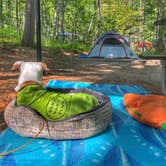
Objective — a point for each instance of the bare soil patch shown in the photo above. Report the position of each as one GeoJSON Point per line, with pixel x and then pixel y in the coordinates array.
{"type": "Point", "coordinates": [68, 66]}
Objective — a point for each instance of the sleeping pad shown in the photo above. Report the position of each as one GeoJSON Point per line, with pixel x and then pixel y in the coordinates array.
{"type": "Point", "coordinates": [55, 106]}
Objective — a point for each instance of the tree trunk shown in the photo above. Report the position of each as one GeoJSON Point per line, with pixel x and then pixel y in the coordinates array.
{"type": "Point", "coordinates": [142, 24]}
{"type": "Point", "coordinates": [21, 15]}
{"type": "Point", "coordinates": [62, 20]}
{"type": "Point", "coordinates": [56, 20]}
{"type": "Point", "coordinates": [160, 29]}
{"type": "Point", "coordinates": [99, 17]}
{"type": "Point", "coordinates": [44, 18]}
{"type": "Point", "coordinates": [1, 13]}
{"type": "Point", "coordinates": [162, 32]}
{"type": "Point", "coordinates": [29, 26]}
{"type": "Point", "coordinates": [17, 19]}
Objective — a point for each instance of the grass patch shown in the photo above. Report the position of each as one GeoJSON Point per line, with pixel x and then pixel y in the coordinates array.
{"type": "Point", "coordinates": [75, 47]}
{"type": "Point", "coordinates": [10, 35]}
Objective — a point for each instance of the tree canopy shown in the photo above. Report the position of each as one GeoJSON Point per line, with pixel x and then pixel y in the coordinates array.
{"type": "Point", "coordinates": [82, 21]}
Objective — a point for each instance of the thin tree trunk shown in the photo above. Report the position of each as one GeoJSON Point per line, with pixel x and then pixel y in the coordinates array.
{"type": "Point", "coordinates": [49, 26]}
{"type": "Point", "coordinates": [17, 18]}
{"type": "Point", "coordinates": [56, 20]}
{"type": "Point", "coordinates": [20, 18]}
{"type": "Point", "coordinates": [62, 19]}
{"type": "Point", "coordinates": [142, 23]}
{"type": "Point", "coordinates": [47, 19]}
{"type": "Point", "coordinates": [1, 13]}
{"type": "Point", "coordinates": [157, 19]}
{"type": "Point", "coordinates": [91, 22]}
{"type": "Point", "coordinates": [161, 39]}
{"type": "Point", "coordinates": [9, 12]}
{"type": "Point", "coordinates": [99, 16]}
{"type": "Point", "coordinates": [29, 26]}
{"type": "Point", "coordinates": [44, 18]}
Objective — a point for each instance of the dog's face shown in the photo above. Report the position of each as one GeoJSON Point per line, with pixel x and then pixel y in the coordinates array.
{"type": "Point", "coordinates": [29, 71]}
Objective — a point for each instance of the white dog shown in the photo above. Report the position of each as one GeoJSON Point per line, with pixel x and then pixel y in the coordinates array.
{"type": "Point", "coordinates": [51, 105]}
{"type": "Point", "coordinates": [29, 72]}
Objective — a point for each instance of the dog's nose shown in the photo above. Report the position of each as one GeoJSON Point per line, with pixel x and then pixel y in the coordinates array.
{"type": "Point", "coordinates": [45, 73]}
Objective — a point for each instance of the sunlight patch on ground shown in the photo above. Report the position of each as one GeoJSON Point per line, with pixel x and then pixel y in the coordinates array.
{"type": "Point", "coordinates": [67, 53]}
{"type": "Point", "coordinates": [138, 66]}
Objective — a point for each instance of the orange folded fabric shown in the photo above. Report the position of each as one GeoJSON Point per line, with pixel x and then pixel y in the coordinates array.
{"type": "Point", "coordinates": [149, 109]}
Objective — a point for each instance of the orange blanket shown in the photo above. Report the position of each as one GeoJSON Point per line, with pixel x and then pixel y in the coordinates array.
{"type": "Point", "coordinates": [150, 109]}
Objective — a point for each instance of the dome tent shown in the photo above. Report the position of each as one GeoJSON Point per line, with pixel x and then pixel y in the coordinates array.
{"type": "Point", "coordinates": [112, 45]}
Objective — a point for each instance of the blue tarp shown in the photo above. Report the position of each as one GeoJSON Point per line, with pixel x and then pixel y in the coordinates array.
{"type": "Point", "coordinates": [126, 142]}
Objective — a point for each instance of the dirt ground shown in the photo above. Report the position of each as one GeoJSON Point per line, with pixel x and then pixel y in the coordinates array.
{"type": "Point", "coordinates": [68, 66]}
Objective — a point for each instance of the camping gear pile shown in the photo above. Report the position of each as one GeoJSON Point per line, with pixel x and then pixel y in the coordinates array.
{"type": "Point", "coordinates": [26, 122]}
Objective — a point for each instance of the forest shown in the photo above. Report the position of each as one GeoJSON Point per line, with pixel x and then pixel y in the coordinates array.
{"type": "Point", "coordinates": [75, 24]}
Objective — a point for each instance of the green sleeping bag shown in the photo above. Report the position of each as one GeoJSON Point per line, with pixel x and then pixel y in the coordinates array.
{"type": "Point", "coordinates": [55, 106]}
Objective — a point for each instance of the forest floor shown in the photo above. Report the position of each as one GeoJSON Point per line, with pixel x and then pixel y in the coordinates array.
{"type": "Point", "coordinates": [63, 66]}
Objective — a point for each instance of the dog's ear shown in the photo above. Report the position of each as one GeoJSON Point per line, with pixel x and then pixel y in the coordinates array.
{"type": "Point", "coordinates": [44, 66]}
{"type": "Point", "coordinates": [16, 65]}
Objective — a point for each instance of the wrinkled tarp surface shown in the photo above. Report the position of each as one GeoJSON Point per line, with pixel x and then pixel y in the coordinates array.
{"type": "Point", "coordinates": [126, 142]}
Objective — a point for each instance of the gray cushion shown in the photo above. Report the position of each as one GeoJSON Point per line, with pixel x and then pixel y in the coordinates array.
{"type": "Point", "coordinates": [26, 122]}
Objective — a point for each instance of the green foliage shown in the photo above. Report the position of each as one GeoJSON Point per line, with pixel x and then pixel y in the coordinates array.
{"type": "Point", "coordinates": [119, 17]}
{"type": "Point", "coordinates": [9, 35]}
{"type": "Point", "coordinates": [75, 47]}
{"type": "Point", "coordinates": [135, 19]}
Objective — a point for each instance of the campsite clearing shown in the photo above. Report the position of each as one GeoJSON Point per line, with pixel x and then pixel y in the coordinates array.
{"type": "Point", "coordinates": [68, 66]}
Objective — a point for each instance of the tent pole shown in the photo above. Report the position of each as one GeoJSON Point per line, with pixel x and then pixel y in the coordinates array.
{"type": "Point", "coordinates": [38, 32]}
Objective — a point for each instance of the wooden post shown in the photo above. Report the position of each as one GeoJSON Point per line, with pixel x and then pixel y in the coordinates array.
{"type": "Point", "coordinates": [163, 77]}
{"type": "Point", "coordinates": [38, 32]}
